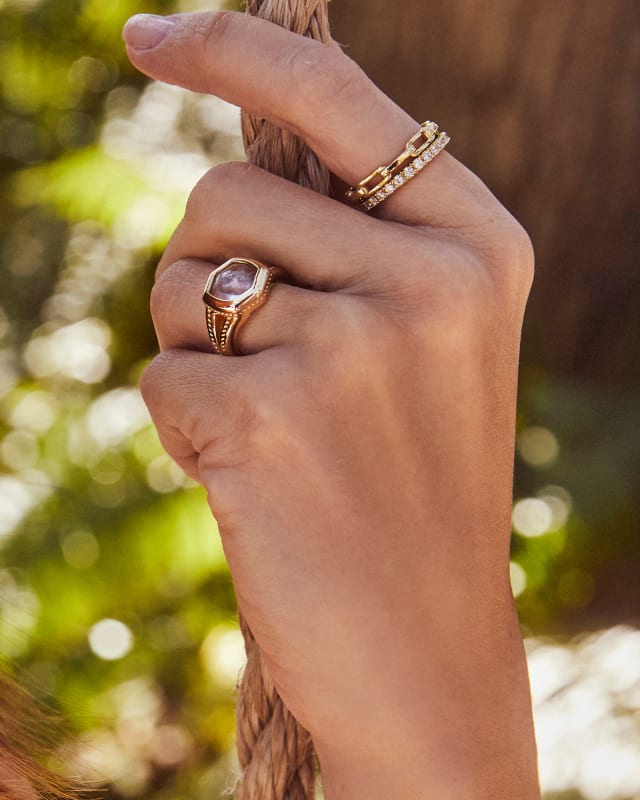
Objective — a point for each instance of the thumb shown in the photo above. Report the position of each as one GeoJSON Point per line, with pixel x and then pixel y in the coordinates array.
{"type": "Point", "coordinates": [242, 59]}
{"type": "Point", "coordinates": [182, 49]}
{"type": "Point", "coordinates": [306, 87]}
{"type": "Point", "coordinates": [293, 81]}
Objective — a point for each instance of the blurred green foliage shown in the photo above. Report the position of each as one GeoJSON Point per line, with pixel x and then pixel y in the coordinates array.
{"type": "Point", "coordinates": [116, 603]}
{"type": "Point", "coordinates": [96, 523]}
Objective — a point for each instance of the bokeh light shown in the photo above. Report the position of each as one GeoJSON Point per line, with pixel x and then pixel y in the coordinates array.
{"type": "Point", "coordinates": [15, 502]}
{"type": "Point", "coordinates": [538, 446]}
{"type": "Point", "coordinates": [78, 351]}
{"type": "Point", "coordinates": [585, 697]}
{"type": "Point", "coordinates": [115, 416]}
{"type": "Point", "coordinates": [223, 654]}
{"type": "Point", "coordinates": [110, 639]}
{"type": "Point", "coordinates": [518, 578]}
{"type": "Point", "coordinates": [532, 517]}
{"type": "Point", "coordinates": [80, 549]}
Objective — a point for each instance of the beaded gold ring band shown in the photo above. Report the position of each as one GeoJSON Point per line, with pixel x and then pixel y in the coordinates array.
{"type": "Point", "coordinates": [419, 151]}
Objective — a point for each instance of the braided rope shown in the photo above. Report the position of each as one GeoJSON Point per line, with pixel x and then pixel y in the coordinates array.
{"type": "Point", "coordinates": [269, 147]}
{"type": "Point", "coordinates": [275, 752]}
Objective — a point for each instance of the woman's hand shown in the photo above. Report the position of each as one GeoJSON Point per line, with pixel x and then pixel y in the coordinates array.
{"type": "Point", "coordinates": [358, 457]}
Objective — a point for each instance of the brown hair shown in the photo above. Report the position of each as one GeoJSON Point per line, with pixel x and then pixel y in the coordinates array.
{"type": "Point", "coordinates": [28, 733]}
{"type": "Point", "coordinates": [275, 752]}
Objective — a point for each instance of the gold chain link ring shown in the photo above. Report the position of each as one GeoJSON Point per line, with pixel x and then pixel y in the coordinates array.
{"type": "Point", "coordinates": [419, 151]}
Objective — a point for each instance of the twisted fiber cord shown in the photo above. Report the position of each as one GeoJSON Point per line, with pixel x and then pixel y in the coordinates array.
{"type": "Point", "coordinates": [275, 752]}
{"type": "Point", "coordinates": [267, 146]}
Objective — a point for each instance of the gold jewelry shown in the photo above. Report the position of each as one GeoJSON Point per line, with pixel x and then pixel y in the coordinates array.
{"type": "Point", "coordinates": [233, 291]}
{"type": "Point", "coordinates": [419, 151]}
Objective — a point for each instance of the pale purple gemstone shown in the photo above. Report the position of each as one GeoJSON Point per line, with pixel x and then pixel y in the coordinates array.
{"type": "Point", "coordinates": [233, 282]}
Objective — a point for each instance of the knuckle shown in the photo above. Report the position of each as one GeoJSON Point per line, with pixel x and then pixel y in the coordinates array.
{"type": "Point", "coordinates": [320, 73]}
{"type": "Point", "coordinates": [462, 304]}
{"type": "Point", "coordinates": [151, 382]}
{"type": "Point", "coordinates": [346, 80]}
{"type": "Point", "coordinates": [513, 261]}
{"type": "Point", "coordinates": [166, 291]}
{"type": "Point", "coordinates": [211, 28]}
{"type": "Point", "coordinates": [317, 323]}
{"type": "Point", "coordinates": [264, 419]}
{"type": "Point", "coordinates": [447, 304]}
{"type": "Point", "coordinates": [523, 257]}
{"type": "Point", "coordinates": [343, 328]}
{"type": "Point", "coordinates": [211, 191]}
{"type": "Point", "coordinates": [228, 173]}
{"type": "Point", "coordinates": [447, 283]}
{"type": "Point", "coordinates": [159, 296]}
{"type": "Point", "coordinates": [264, 423]}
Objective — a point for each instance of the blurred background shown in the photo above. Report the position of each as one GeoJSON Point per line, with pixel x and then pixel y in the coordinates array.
{"type": "Point", "coordinates": [116, 605]}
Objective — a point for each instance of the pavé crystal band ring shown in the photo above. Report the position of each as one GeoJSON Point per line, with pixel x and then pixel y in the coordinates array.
{"type": "Point", "coordinates": [419, 151]}
{"type": "Point", "coordinates": [233, 291]}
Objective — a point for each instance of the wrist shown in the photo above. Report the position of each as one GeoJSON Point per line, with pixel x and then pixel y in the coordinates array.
{"type": "Point", "coordinates": [465, 732]}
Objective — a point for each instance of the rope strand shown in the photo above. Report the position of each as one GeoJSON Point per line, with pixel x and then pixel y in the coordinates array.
{"type": "Point", "coordinates": [272, 148]}
{"type": "Point", "coordinates": [275, 752]}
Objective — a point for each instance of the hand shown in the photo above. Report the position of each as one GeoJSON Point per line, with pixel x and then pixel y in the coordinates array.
{"type": "Point", "coordinates": [358, 457]}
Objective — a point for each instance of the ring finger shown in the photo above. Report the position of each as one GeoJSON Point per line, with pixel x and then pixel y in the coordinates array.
{"type": "Point", "coordinates": [179, 313]}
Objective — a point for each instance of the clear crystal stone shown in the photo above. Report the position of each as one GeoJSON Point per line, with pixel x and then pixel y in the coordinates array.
{"type": "Point", "coordinates": [234, 281]}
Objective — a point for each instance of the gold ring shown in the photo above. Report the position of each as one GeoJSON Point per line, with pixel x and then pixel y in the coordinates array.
{"type": "Point", "coordinates": [419, 151]}
{"type": "Point", "coordinates": [233, 291]}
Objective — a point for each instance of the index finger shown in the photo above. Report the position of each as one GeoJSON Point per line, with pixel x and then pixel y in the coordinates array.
{"type": "Point", "coordinates": [311, 89]}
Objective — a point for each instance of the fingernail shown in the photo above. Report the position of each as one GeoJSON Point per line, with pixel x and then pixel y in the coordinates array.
{"type": "Point", "coordinates": [144, 31]}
